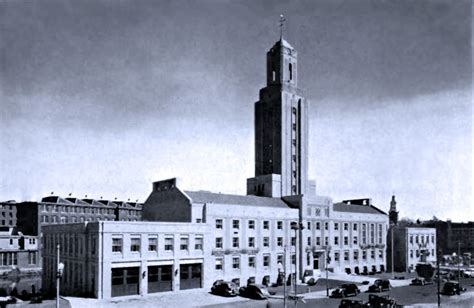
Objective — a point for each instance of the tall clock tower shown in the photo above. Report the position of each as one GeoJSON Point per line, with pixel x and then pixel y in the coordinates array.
{"type": "Point", "coordinates": [281, 129]}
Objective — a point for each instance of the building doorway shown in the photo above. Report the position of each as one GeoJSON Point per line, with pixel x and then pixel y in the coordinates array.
{"type": "Point", "coordinates": [159, 278]}
{"type": "Point", "coordinates": [125, 281]}
{"type": "Point", "coordinates": [316, 263]}
{"type": "Point", "coordinates": [190, 276]}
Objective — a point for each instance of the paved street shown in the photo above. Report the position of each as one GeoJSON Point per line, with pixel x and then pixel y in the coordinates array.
{"type": "Point", "coordinates": [417, 296]}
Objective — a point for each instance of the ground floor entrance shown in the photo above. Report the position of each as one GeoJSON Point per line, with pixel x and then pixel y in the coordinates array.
{"type": "Point", "coordinates": [190, 276]}
{"type": "Point", "coordinates": [160, 278]}
{"type": "Point", "coordinates": [125, 281]}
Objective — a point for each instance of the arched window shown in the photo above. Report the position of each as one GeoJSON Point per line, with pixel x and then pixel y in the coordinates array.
{"type": "Point", "coordinates": [273, 75]}
{"type": "Point", "coordinates": [290, 66]}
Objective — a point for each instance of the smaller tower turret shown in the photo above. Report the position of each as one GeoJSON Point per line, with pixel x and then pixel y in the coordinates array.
{"type": "Point", "coordinates": [393, 214]}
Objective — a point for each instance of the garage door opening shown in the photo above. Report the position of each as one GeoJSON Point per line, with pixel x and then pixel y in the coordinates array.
{"type": "Point", "coordinates": [190, 276]}
{"type": "Point", "coordinates": [159, 278]}
{"type": "Point", "coordinates": [125, 281]}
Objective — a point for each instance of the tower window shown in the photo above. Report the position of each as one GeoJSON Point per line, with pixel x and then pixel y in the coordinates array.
{"type": "Point", "coordinates": [273, 75]}
{"type": "Point", "coordinates": [290, 66]}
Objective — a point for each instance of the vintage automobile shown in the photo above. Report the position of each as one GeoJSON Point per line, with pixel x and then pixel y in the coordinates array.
{"type": "Point", "coordinates": [254, 291]}
{"type": "Point", "coordinates": [452, 288]}
{"type": "Point", "coordinates": [418, 281]}
{"type": "Point", "coordinates": [224, 288]}
{"type": "Point", "coordinates": [380, 285]}
{"type": "Point", "coordinates": [345, 290]}
{"type": "Point", "coordinates": [382, 301]}
{"type": "Point", "coordinates": [353, 303]}
{"type": "Point", "coordinates": [311, 276]}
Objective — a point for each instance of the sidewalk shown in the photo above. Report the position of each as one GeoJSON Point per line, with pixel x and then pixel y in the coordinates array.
{"type": "Point", "coordinates": [182, 299]}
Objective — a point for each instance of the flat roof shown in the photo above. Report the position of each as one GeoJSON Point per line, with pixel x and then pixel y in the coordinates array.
{"type": "Point", "coordinates": [209, 197]}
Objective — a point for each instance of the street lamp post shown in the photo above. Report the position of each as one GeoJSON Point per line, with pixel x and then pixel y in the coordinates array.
{"type": "Point", "coordinates": [327, 274]}
{"type": "Point", "coordinates": [439, 279]}
{"type": "Point", "coordinates": [391, 250]}
{"type": "Point", "coordinates": [296, 226]}
{"type": "Point", "coordinates": [459, 263]}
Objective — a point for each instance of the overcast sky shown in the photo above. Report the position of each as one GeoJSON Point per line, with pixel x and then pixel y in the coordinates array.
{"type": "Point", "coordinates": [101, 98]}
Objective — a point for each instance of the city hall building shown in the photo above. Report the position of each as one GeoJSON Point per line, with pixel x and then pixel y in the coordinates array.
{"type": "Point", "coordinates": [281, 225]}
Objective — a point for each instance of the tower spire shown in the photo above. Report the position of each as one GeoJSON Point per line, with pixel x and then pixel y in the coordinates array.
{"type": "Point", "coordinates": [282, 22]}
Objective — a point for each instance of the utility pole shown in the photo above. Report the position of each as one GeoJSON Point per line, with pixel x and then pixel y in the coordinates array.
{"type": "Point", "coordinates": [439, 279]}
{"type": "Point", "coordinates": [284, 276]}
{"type": "Point", "coordinates": [59, 274]}
{"type": "Point", "coordinates": [327, 275]}
{"type": "Point", "coordinates": [57, 278]}
{"type": "Point", "coordinates": [459, 263]}
{"type": "Point", "coordinates": [391, 249]}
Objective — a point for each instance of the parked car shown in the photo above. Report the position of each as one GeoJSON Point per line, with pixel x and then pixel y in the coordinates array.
{"type": "Point", "coordinates": [346, 290]}
{"type": "Point", "coordinates": [469, 273]}
{"type": "Point", "coordinates": [311, 275]}
{"type": "Point", "coordinates": [451, 288]}
{"type": "Point", "coordinates": [382, 301]}
{"type": "Point", "coordinates": [380, 285]}
{"type": "Point", "coordinates": [224, 288]}
{"type": "Point", "coordinates": [353, 303]}
{"type": "Point", "coordinates": [254, 291]}
{"type": "Point", "coordinates": [418, 281]}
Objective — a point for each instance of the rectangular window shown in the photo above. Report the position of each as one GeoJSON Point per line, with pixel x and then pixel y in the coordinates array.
{"type": "Point", "coordinates": [308, 210]}
{"type": "Point", "coordinates": [235, 262]}
{"type": "Point", "coordinates": [279, 225]}
{"type": "Point", "coordinates": [355, 240]}
{"type": "Point", "coordinates": [411, 239]}
{"type": "Point", "coordinates": [346, 240]}
{"type": "Point", "coordinates": [293, 259]}
{"type": "Point", "coordinates": [380, 254]}
{"type": "Point", "coordinates": [432, 239]}
{"type": "Point", "coordinates": [346, 255]}
{"type": "Point", "coordinates": [235, 224]}
{"type": "Point", "coordinates": [153, 243]}
{"type": "Point", "coordinates": [308, 241]}
{"type": "Point", "coordinates": [266, 225]}
{"type": "Point", "coordinates": [364, 234]}
{"type": "Point", "coordinates": [251, 261]}
{"type": "Point", "coordinates": [336, 256]}
{"type": "Point", "coordinates": [364, 255]}
{"type": "Point", "coordinates": [411, 253]}
{"type": "Point", "coordinates": [252, 242]}
{"type": "Point", "coordinates": [293, 241]}
{"type": "Point", "coordinates": [318, 241]}
{"type": "Point", "coordinates": [219, 262]}
{"type": "Point", "coordinates": [336, 226]}
{"type": "Point", "coordinates": [32, 258]}
{"type": "Point", "coordinates": [354, 227]}
{"type": "Point", "coordinates": [346, 226]}
{"type": "Point", "coordinates": [266, 260]}
{"type": "Point", "coordinates": [356, 255]}
{"type": "Point", "coordinates": [279, 259]}
{"type": "Point", "coordinates": [183, 243]}
{"type": "Point", "coordinates": [116, 244]}
{"type": "Point", "coordinates": [380, 233]}
{"type": "Point", "coordinates": [235, 242]}
{"type": "Point", "coordinates": [218, 242]}
{"type": "Point", "coordinates": [372, 254]}
{"type": "Point", "coordinates": [135, 244]}
{"type": "Point", "coordinates": [372, 234]}
{"type": "Point", "coordinates": [336, 240]}
{"type": "Point", "coordinates": [219, 223]}
{"type": "Point", "coordinates": [251, 224]}
{"type": "Point", "coordinates": [318, 226]}
{"type": "Point", "coordinates": [279, 241]}
{"type": "Point", "coordinates": [326, 226]}
{"type": "Point", "coordinates": [309, 225]}
{"type": "Point", "coordinates": [318, 211]}
{"type": "Point", "coordinates": [198, 242]}
{"type": "Point", "coordinates": [168, 243]}
{"type": "Point", "coordinates": [416, 239]}
{"type": "Point", "coordinates": [326, 241]}
{"type": "Point", "coordinates": [266, 242]}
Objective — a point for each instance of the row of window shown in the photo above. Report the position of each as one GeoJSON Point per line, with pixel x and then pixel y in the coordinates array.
{"type": "Point", "coordinates": [251, 261]}
{"type": "Point", "coordinates": [135, 243]}
{"type": "Point", "coordinates": [74, 219]}
{"type": "Point", "coordinates": [419, 252]}
{"type": "Point", "coordinates": [355, 255]}
{"type": "Point", "coordinates": [251, 243]}
{"type": "Point", "coordinates": [85, 209]}
{"type": "Point", "coordinates": [422, 239]}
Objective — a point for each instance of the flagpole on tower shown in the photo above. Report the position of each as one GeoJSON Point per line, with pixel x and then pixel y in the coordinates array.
{"type": "Point", "coordinates": [282, 22]}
